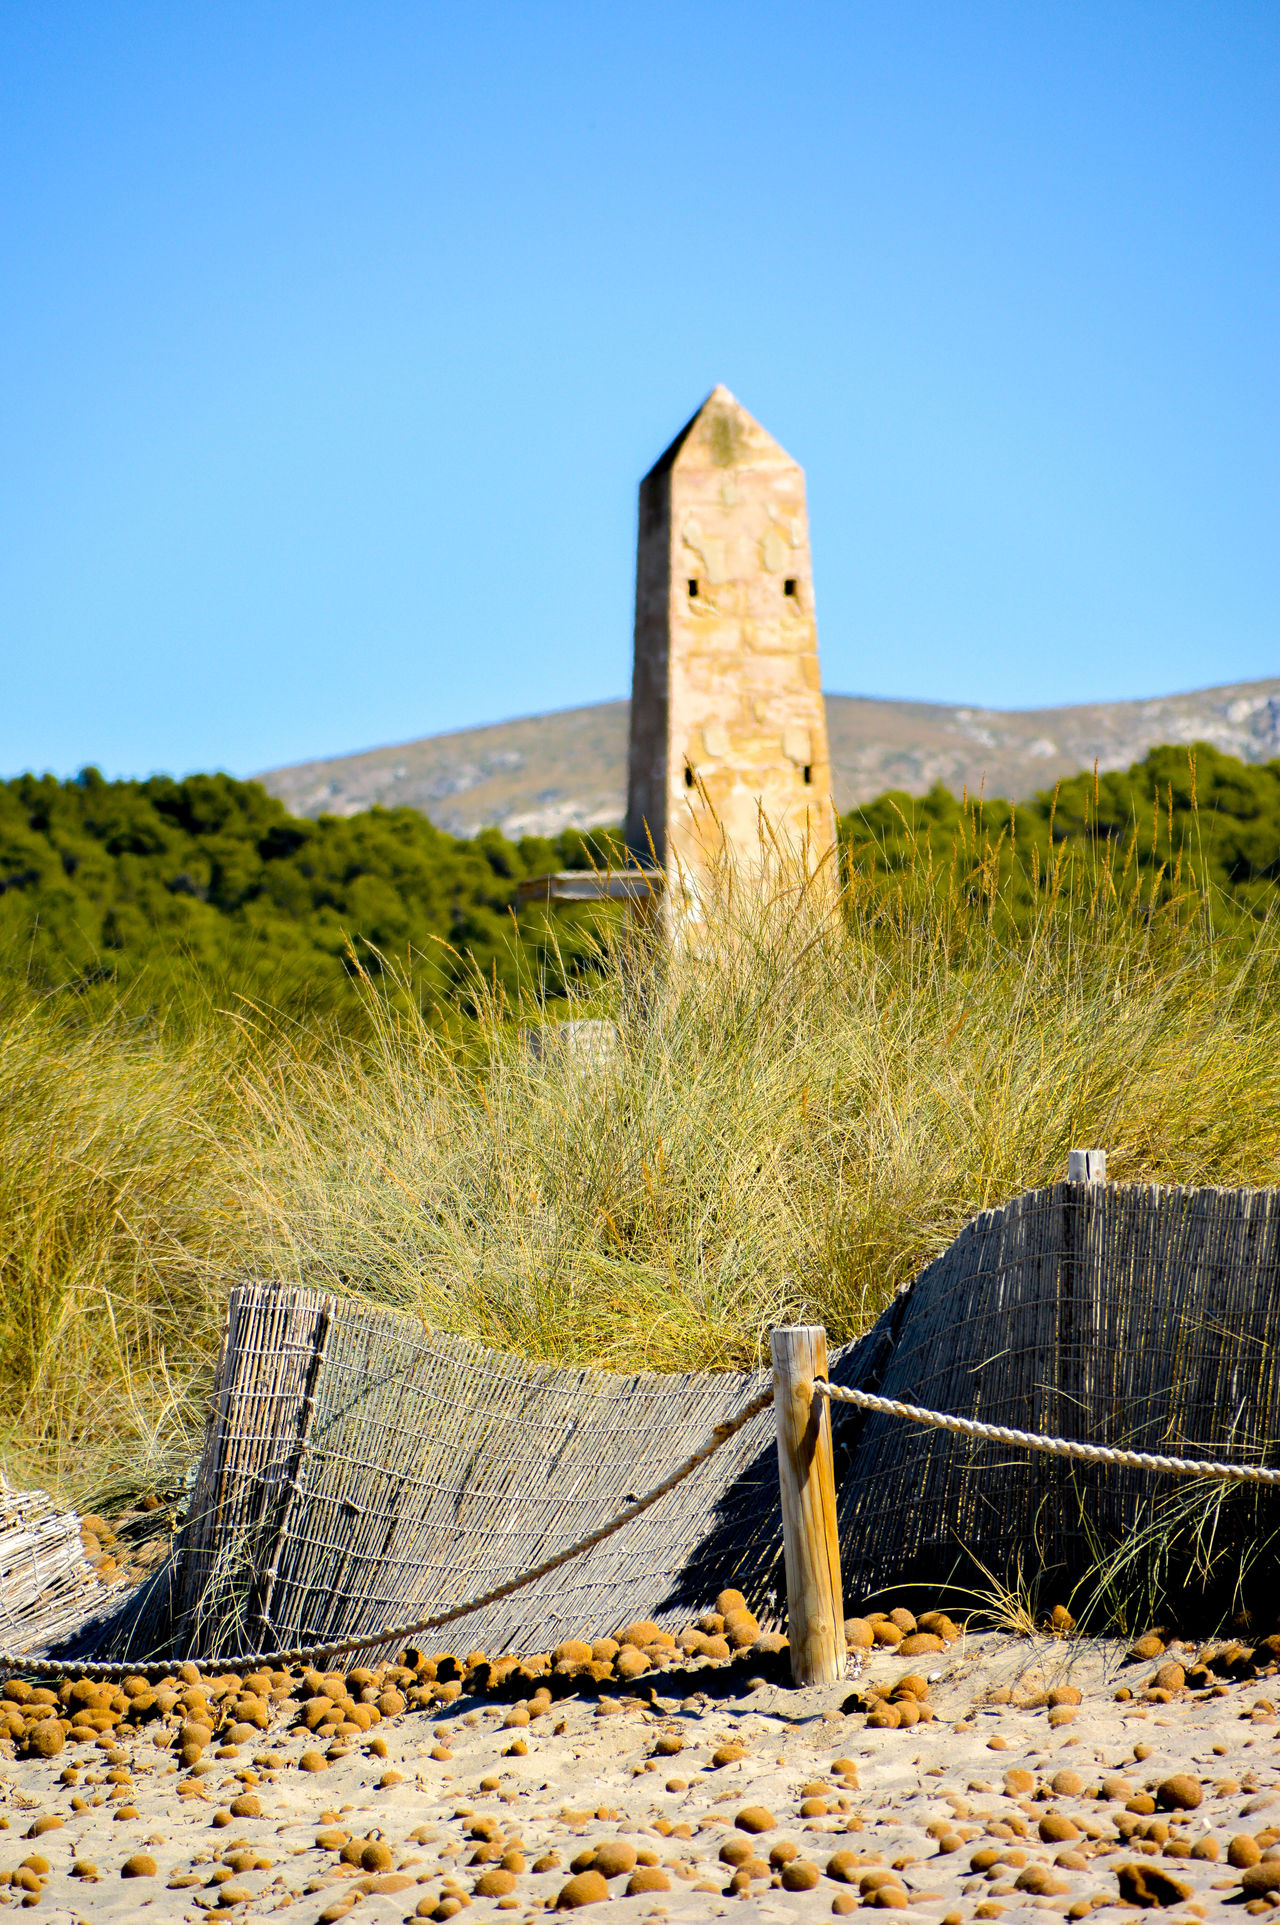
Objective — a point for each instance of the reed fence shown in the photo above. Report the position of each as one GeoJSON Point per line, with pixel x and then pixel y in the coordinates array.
{"type": "Point", "coordinates": [47, 1585]}
{"type": "Point", "coordinates": [360, 1470]}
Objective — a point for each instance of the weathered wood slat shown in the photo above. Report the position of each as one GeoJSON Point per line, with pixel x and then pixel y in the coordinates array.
{"type": "Point", "coordinates": [47, 1585]}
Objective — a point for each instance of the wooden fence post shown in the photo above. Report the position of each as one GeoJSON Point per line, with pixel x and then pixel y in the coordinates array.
{"type": "Point", "coordinates": [815, 1606]}
{"type": "Point", "coordinates": [1086, 1166]}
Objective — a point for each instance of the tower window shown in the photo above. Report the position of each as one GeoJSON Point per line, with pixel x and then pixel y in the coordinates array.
{"type": "Point", "coordinates": [688, 776]}
{"type": "Point", "coordinates": [693, 591]}
{"type": "Point", "coordinates": [808, 771]}
{"type": "Point", "coordinates": [789, 585]}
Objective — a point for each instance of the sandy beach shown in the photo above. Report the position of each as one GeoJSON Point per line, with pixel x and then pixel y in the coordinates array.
{"type": "Point", "coordinates": [705, 1788]}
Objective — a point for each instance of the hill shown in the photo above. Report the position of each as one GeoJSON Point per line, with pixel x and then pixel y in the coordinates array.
{"type": "Point", "coordinates": [546, 773]}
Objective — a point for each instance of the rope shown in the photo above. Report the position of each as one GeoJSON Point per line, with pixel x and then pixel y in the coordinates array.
{"type": "Point", "coordinates": [863, 1399]}
{"type": "Point", "coordinates": [308, 1654]}
{"type": "Point", "coordinates": [1055, 1446]}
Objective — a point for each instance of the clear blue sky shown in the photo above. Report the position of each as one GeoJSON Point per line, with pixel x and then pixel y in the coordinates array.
{"type": "Point", "coordinates": [334, 340]}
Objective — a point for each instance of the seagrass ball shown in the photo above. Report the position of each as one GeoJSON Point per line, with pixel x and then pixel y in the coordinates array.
{"type": "Point", "coordinates": [1263, 1879]}
{"type": "Point", "coordinates": [584, 1888]}
{"type": "Point", "coordinates": [741, 1628]}
{"type": "Point", "coordinates": [1181, 1792]}
{"type": "Point", "coordinates": [647, 1878]}
{"type": "Point", "coordinates": [640, 1632]}
{"type": "Point", "coordinates": [496, 1882]}
{"type": "Point", "coordinates": [885, 1717]}
{"type": "Point", "coordinates": [799, 1876]}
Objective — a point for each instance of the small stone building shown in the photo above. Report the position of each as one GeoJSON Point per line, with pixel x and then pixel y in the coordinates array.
{"type": "Point", "coordinates": [728, 753]}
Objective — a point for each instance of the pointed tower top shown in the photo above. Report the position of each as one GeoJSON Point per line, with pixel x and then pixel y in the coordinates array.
{"type": "Point", "coordinates": [721, 435]}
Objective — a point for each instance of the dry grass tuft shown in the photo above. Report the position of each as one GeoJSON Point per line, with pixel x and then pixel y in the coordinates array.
{"type": "Point", "coordinates": [117, 1215]}
{"type": "Point", "coordinates": [791, 1125]}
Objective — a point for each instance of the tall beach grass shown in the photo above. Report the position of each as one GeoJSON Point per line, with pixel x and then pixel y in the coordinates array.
{"type": "Point", "coordinates": [800, 1110]}
{"type": "Point", "coordinates": [119, 1222]}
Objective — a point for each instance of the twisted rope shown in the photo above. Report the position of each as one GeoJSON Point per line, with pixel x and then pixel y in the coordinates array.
{"type": "Point", "coordinates": [344, 1647]}
{"type": "Point", "coordinates": [861, 1399]}
{"type": "Point", "coordinates": [1055, 1446]}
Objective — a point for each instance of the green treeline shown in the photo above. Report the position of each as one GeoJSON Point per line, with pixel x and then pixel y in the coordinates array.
{"type": "Point", "coordinates": [1187, 822]}
{"type": "Point", "coordinates": [160, 885]}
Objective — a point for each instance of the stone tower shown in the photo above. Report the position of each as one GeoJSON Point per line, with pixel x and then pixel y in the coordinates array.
{"type": "Point", "coordinates": [728, 753]}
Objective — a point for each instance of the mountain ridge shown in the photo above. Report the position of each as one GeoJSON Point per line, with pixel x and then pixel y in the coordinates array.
{"type": "Point", "coordinates": [539, 774]}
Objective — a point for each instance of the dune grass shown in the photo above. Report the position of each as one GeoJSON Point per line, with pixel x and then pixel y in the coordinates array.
{"type": "Point", "coordinates": [791, 1123]}
{"type": "Point", "coordinates": [118, 1219]}
{"type": "Point", "coordinates": [797, 1114]}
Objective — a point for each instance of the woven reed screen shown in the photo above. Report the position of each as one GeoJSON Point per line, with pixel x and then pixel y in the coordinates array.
{"type": "Point", "coordinates": [47, 1587]}
{"type": "Point", "coordinates": [1117, 1314]}
{"type": "Point", "coordinates": [359, 1469]}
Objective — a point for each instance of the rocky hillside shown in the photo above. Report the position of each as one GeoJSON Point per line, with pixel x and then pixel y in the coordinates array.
{"type": "Point", "coordinates": [568, 770]}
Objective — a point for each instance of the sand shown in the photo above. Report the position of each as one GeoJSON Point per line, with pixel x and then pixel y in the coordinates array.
{"type": "Point", "coordinates": [592, 1774]}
